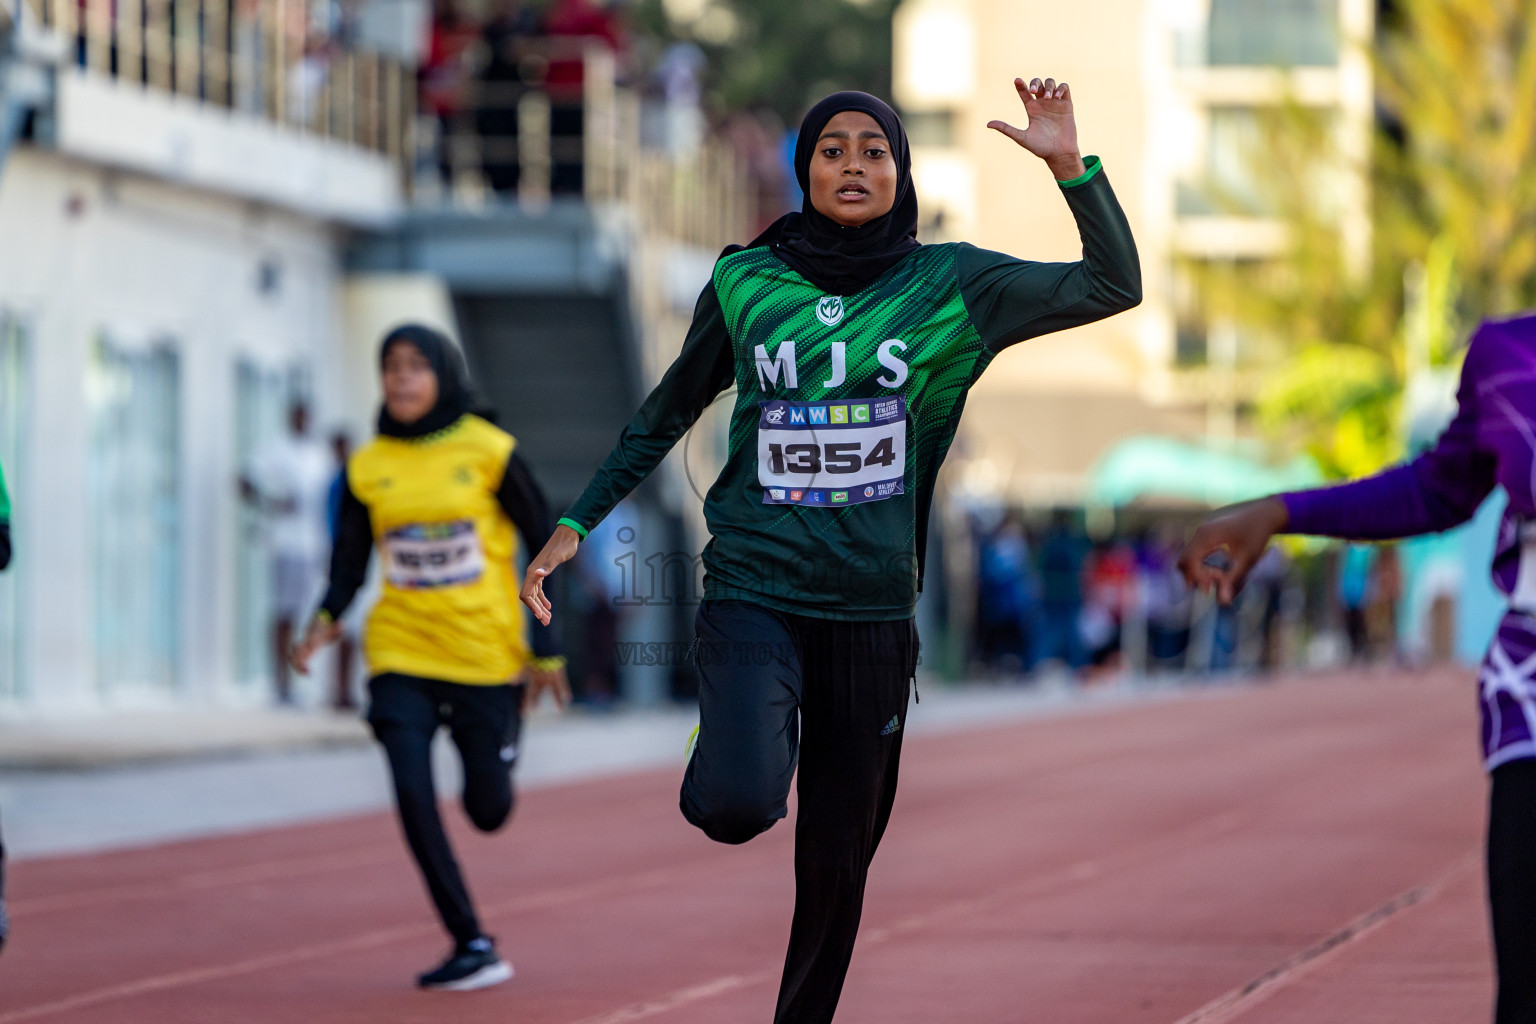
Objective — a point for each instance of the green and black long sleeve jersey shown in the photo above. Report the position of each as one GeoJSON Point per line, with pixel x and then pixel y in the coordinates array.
{"type": "Point", "coordinates": [846, 405]}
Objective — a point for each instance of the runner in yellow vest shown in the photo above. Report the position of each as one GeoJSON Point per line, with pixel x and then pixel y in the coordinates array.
{"type": "Point", "coordinates": [442, 494]}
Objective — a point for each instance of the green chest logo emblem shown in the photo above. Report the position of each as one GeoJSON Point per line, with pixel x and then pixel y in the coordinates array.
{"type": "Point", "coordinates": [830, 310]}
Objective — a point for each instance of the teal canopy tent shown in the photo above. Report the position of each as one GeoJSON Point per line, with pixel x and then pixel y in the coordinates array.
{"type": "Point", "coordinates": [1160, 469]}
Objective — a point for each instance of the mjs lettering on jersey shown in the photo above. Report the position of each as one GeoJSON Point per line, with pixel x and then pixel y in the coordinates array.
{"type": "Point", "coordinates": [781, 371]}
{"type": "Point", "coordinates": [831, 453]}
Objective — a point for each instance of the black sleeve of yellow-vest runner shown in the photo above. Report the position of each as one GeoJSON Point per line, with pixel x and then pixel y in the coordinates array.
{"type": "Point", "coordinates": [1010, 299]}
{"type": "Point", "coordinates": [349, 553]}
{"type": "Point", "coordinates": [523, 501]}
{"type": "Point", "coordinates": [705, 367]}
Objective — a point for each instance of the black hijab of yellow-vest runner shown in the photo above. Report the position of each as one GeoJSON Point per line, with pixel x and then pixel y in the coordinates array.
{"type": "Point", "coordinates": [845, 260]}
{"type": "Point", "coordinates": [455, 396]}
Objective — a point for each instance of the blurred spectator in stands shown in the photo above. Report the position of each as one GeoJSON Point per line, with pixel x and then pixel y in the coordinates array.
{"type": "Point", "coordinates": [306, 79]}
{"type": "Point", "coordinates": [1004, 601]}
{"type": "Point", "coordinates": [577, 22]}
{"type": "Point", "coordinates": [1062, 554]}
{"type": "Point", "coordinates": [444, 77]}
{"type": "Point", "coordinates": [248, 47]}
{"type": "Point", "coordinates": [501, 82]}
{"type": "Point", "coordinates": [679, 74]}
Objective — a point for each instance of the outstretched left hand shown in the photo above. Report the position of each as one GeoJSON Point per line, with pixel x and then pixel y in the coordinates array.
{"type": "Point", "coordinates": [1052, 131]}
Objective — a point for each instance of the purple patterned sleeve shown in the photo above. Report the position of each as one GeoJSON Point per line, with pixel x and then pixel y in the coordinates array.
{"type": "Point", "coordinates": [1440, 489]}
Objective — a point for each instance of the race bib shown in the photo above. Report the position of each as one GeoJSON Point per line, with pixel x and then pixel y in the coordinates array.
{"type": "Point", "coordinates": [831, 453]}
{"type": "Point", "coordinates": [425, 555]}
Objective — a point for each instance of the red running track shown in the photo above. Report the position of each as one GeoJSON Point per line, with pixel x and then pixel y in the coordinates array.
{"type": "Point", "coordinates": [1302, 853]}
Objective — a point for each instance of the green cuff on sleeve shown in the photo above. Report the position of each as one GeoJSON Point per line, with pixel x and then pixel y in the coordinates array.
{"type": "Point", "coordinates": [573, 524]}
{"type": "Point", "coordinates": [1094, 166]}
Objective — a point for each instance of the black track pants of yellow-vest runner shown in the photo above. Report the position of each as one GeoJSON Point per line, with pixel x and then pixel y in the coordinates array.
{"type": "Point", "coordinates": [485, 724]}
{"type": "Point", "coordinates": [775, 689]}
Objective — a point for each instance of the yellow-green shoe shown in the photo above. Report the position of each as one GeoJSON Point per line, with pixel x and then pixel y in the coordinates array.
{"type": "Point", "coordinates": [688, 748]}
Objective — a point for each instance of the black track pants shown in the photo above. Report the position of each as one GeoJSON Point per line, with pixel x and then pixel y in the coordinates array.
{"type": "Point", "coordinates": [775, 688]}
{"type": "Point", "coordinates": [1512, 888]}
{"type": "Point", "coordinates": [485, 723]}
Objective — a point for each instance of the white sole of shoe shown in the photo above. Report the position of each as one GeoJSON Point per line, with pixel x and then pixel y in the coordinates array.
{"type": "Point", "coordinates": [485, 977]}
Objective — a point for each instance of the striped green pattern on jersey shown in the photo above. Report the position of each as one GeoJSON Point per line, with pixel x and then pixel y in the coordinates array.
{"type": "Point", "coordinates": [908, 334]}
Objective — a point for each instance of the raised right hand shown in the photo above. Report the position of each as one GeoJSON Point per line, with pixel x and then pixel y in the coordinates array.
{"type": "Point", "coordinates": [560, 549]}
{"type": "Point", "coordinates": [1241, 532]}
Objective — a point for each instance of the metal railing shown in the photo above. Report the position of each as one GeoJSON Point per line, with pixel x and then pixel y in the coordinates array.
{"type": "Point", "coordinates": [531, 135]}
{"type": "Point", "coordinates": [261, 58]}
{"type": "Point", "coordinates": [527, 139]}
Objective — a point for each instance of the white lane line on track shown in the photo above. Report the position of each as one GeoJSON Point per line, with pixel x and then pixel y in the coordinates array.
{"type": "Point", "coordinates": [242, 875]}
{"type": "Point", "coordinates": [1234, 1004]}
{"type": "Point", "coordinates": [367, 940]}
{"type": "Point", "coordinates": [682, 997]}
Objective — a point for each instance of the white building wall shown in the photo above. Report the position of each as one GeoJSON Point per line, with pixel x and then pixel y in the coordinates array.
{"type": "Point", "coordinates": [85, 251]}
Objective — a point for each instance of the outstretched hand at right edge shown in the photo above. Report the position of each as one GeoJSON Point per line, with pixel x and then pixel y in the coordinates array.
{"type": "Point", "coordinates": [1240, 533]}
{"type": "Point", "coordinates": [560, 549]}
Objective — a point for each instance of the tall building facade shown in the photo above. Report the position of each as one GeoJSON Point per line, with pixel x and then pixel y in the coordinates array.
{"type": "Point", "coordinates": [1169, 93]}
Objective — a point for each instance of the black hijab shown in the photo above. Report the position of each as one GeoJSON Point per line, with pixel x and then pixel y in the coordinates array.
{"type": "Point", "coordinates": [455, 396]}
{"type": "Point", "coordinates": [842, 260]}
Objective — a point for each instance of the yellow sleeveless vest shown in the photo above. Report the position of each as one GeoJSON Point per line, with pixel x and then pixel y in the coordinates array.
{"type": "Point", "coordinates": [447, 552]}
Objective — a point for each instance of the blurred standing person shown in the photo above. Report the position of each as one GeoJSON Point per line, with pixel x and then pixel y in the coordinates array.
{"type": "Point", "coordinates": [1356, 564]}
{"type": "Point", "coordinates": [1267, 582]}
{"type": "Point", "coordinates": [574, 23]}
{"type": "Point", "coordinates": [501, 85]}
{"type": "Point", "coordinates": [443, 76]}
{"type": "Point", "coordinates": [1491, 442]}
{"type": "Point", "coordinates": [680, 74]}
{"type": "Point", "coordinates": [1166, 601]}
{"type": "Point", "coordinates": [1063, 552]}
{"type": "Point", "coordinates": [1386, 594]}
{"type": "Point", "coordinates": [5, 561]}
{"type": "Point", "coordinates": [288, 483]}
{"type": "Point", "coordinates": [1111, 575]}
{"type": "Point", "coordinates": [1002, 612]}
{"type": "Point", "coordinates": [444, 495]}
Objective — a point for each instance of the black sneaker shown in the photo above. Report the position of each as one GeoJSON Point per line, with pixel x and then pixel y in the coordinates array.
{"type": "Point", "coordinates": [472, 965]}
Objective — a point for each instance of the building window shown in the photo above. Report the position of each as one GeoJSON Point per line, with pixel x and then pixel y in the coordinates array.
{"type": "Point", "coordinates": [1282, 33]}
{"type": "Point", "coordinates": [1228, 186]}
{"type": "Point", "coordinates": [13, 417]}
{"type": "Point", "coordinates": [134, 491]}
{"type": "Point", "coordinates": [1207, 296]}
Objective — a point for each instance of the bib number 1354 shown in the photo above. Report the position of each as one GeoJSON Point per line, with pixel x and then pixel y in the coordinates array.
{"type": "Point", "coordinates": [831, 453]}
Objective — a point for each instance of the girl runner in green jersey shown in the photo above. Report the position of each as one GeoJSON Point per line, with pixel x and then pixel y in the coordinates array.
{"type": "Point", "coordinates": [851, 348]}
